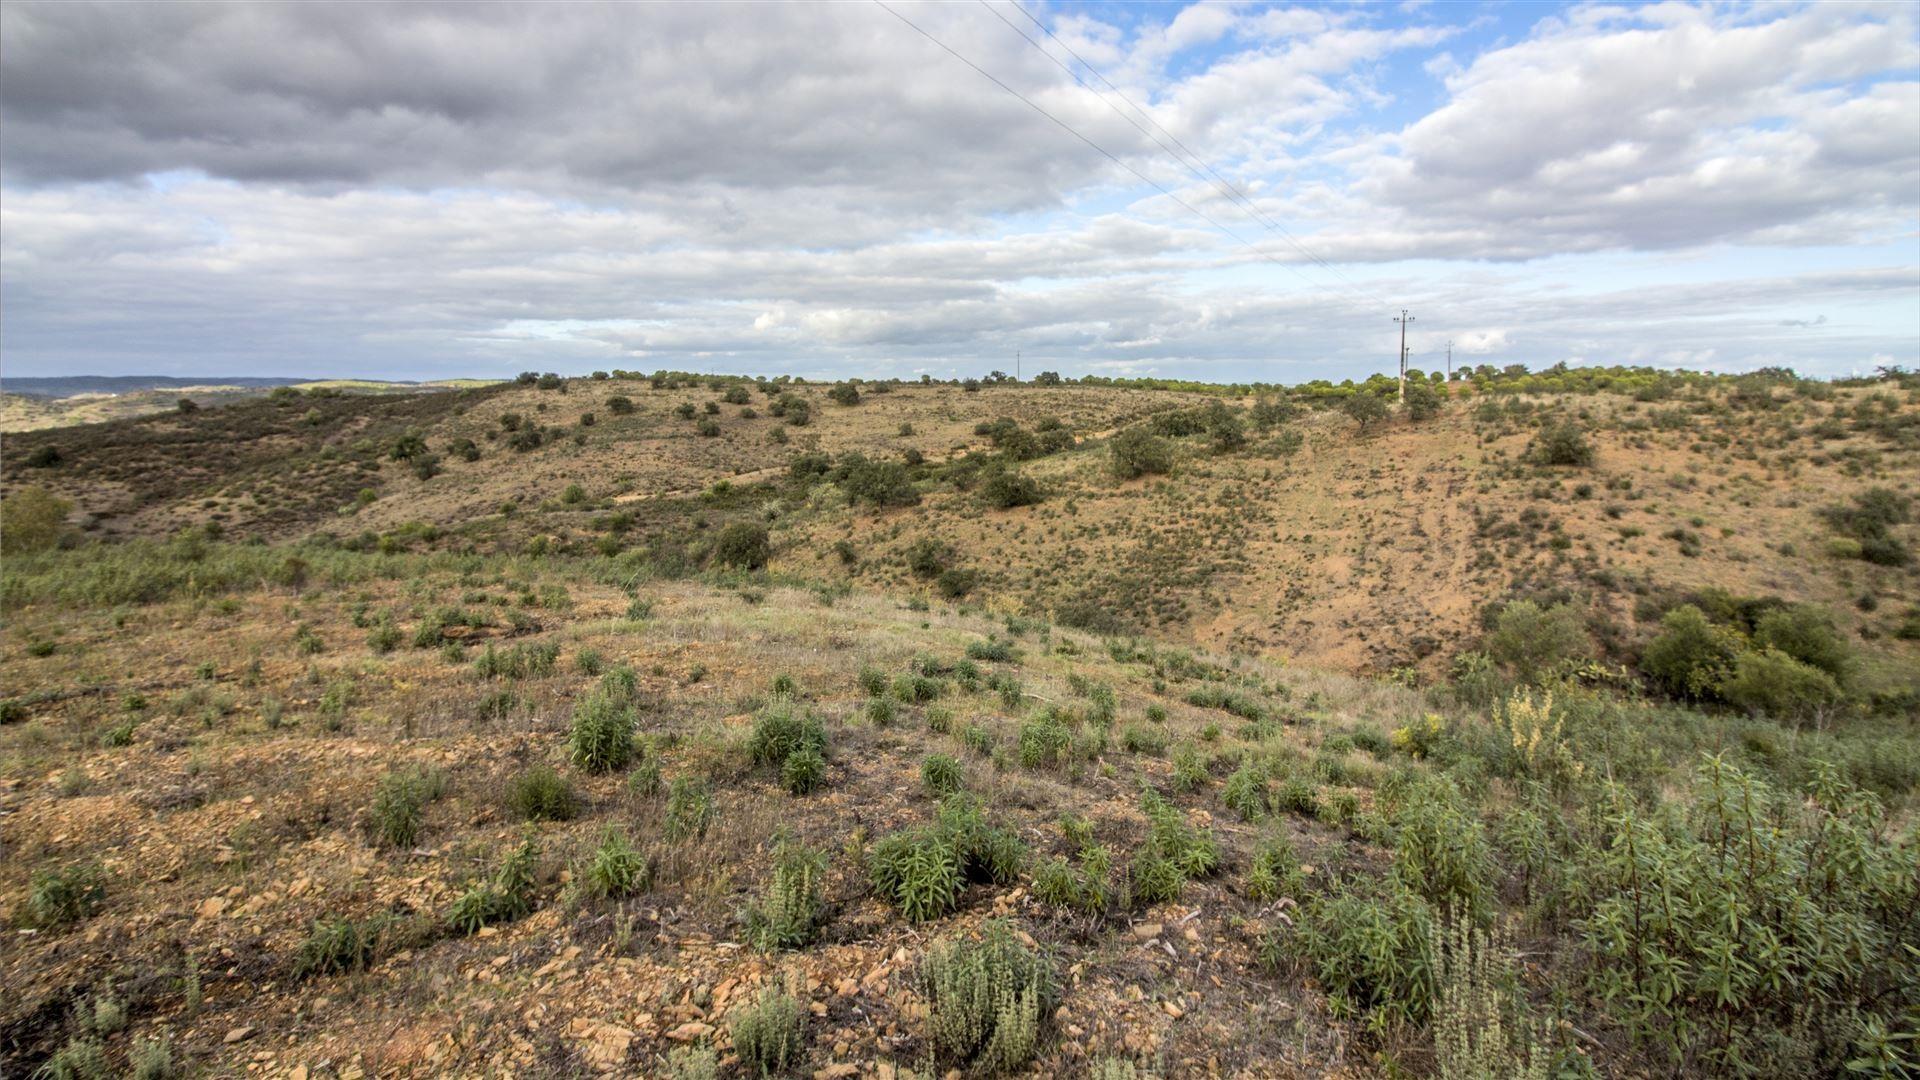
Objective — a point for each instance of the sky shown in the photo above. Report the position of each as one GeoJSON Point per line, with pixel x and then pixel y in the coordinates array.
{"type": "Point", "coordinates": [1226, 192]}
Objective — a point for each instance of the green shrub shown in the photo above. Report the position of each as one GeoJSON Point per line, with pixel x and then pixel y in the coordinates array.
{"type": "Point", "coordinates": [64, 895]}
{"type": "Point", "coordinates": [1274, 872]}
{"type": "Point", "coordinates": [1534, 642]}
{"type": "Point", "coordinates": [1138, 452]}
{"type": "Point", "coordinates": [788, 915]}
{"type": "Point", "coordinates": [1772, 683]}
{"type": "Point", "coordinates": [81, 1058]}
{"type": "Point", "coordinates": [1143, 739]}
{"type": "Point", "coordinates": [1561, 444]}
{"type": "Point", "coordinates": [1005, 487]}
{"type": "Point", "coordinates": [768, 1033]}
{"type": "Point", "coordinates": [1442, 854]}
{"type": "Point", "coordinates": [987, 1000]}
{"type": "Point", "coordinates": [508, 896]}
{"type": "Point", "coordinates": [340, 945]}
{"type": "Point", "coordinates": [1765, 936]}
{"type": "Point", "coordinates": [540, 794]}
{"type": "Point", "coordinates": [1691, 657]}
{"type": "Point", "coordinates": [1806, 634]}
{"type": "Point", "coordinates": [1869, 522]}
{"type": "Point", "coordinates": [921, 871]}
{"type": "Point", "coordinates": [803, 772]}
{"type": "Point", "coordinates": [601, 739]}
{"type": "Point", "coordinates": [618, 870]}
{"type": "Point", "coordinates": [1175, 852]}
{"type": "Point", "coordinates": [992, 650]}
{"type": "Point", "coordinates": [689, 809]}
{"type": "Point", "coordinates": [1365, 408]}
{"type": "Point", "coordinates": [399, 805]}
{"type": "Point", "coordinates": [941, 775]}
{"type": "Point", "coordinates": [1087, 888]}
{"type": "Point", "coordinates": [1372, 954]}
{"type": "Point", "coordinates": [782, 729]}
{"type": "Point", "coordinates": [1044, 742]}
{"type": "Point", "coordinates": [743, 544]}
{"type": "Point", "coordinates": [1245, 792]}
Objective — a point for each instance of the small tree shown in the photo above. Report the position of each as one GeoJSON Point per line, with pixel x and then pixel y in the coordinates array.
{"type": "Point", "coordinates": [1366, 409]}
{"type": "Point", "coordinates": [1423, 401]}
{"type": "Point", "coordinates": [1137, 452]}
{"type": "Point", "coordinates": [844, 394]}
{"type": "Point", "coordinates": [1005, 487]}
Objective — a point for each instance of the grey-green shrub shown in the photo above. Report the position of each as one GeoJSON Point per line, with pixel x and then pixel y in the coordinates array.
{"type": "Point", "coordinates": [987, 1000]}
{"type": "Point", "coordinates": [768, 1033]}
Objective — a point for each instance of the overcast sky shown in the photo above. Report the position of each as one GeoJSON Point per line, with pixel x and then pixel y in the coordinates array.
{"type": "Point", "coordinates": [434, 190]}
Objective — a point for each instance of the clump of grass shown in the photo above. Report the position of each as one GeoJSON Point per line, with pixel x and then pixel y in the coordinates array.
{"type": "Point", "coordinates": [987, 1000]}
{"type": "Point", "coordinates": [541, 794]}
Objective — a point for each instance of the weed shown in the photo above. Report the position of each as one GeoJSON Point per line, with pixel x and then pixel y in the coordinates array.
{"type": "Point", "coordinates": [541, 794]}
{"type": "Point", "coordinates": [767, 1034]}
{"type": "Point", "coordinates": [988, 999]}
{"type": "Point", "coordinates": [786, 917]}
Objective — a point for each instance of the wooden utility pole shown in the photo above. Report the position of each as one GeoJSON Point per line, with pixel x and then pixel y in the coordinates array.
{"type": "Point", "coordinates": [1449, 361]}
{"type": "Point", "coordinates": [1403, 320]}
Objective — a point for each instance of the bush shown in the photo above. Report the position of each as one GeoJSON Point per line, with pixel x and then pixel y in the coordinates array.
{"type": "Point", "coordinates": [508, 896]}
{"type": "Point", "coordinates": [1245, 792]}
{"type": "Point", "coordinates": [689, 809]}
{"type": "Point", "coordinates": [1442, 854]}
{"type": "Point", "coordinates": [601, 739]}
{"type": "Point", "coordinates": [1561, 444]}
{"type": "Point", "coordinates": [1138, 452]}
{"type": "Point", "coordinates": [1005, 487]}
{"type": "Point", "coordinates": [1691, 656]}
{"type": "Point", "coordinates": [878, 483]}
{"type": "Point", "coordinates": [65, 895]}
{"type": "Point", "coordinates": [921, 871]}
{"type": "Point", "coordinates": [788, 915]}
{"type": "Point", "coordinates": [1869, 522]}
{"type": "Point", "coordinates": [399, 804]}
{"type": "Point", "coordinates": [767, 1034]}
{"type": "Point", "coordinates": [1045, 742]}
{"type": "Point", "coordinates": [1805, 633]}
{"type": "Point", "coordinates": [1779, 957]}
{"type": "Point", "coordinates": [987, 1000]}
{"type": "Point", "coordinates": [620, 405]}
{"type": "Point", "coordinates": [1372, 954]}
{"type": "Point", "coordinates": [781, 731]}
{"type": "Point", "coordinates": [339, 945]}
{"type": "Point", "coordinates": [618, 870]}
{"type": "Point", "coordinates": [1533, 641]}
{"type": "Point", "coordinates": [941, 774]}
{"type": "Point", "coordinates": [844, 394]}
{"type": "Point", "coordinates": [743, 544]}
{"type": "Point", "coordinates": [540, 794]}
{"type": "Point", "coordinates": [1774, 684]}
{"type": "Point", "coordinates": [1422, 400]}
{"type": "Point", "coordinates": [32, 519]}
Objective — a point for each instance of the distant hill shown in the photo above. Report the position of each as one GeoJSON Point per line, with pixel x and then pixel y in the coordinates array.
{"type": "Point", "coordinates": [59, 386]}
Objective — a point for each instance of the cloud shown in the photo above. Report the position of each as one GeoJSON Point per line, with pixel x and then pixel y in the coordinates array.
{"type": "Point", "coordinates": [426, 189]}
{"type": "Point", "coordinates": [1654, 129]}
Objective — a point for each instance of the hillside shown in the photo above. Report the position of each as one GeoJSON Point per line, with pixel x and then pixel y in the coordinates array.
{"type": "Point", "coordinates": [32, 404]}
{"type": "Point", "coordinates": [452, 734]}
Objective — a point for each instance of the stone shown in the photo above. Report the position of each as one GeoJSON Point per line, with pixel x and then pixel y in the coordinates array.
{"type": "Point", "coordinates": [239, 1034]}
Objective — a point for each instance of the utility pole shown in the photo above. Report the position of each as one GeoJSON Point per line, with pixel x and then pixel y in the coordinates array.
{"type": "Point", "coordinates": [1449, 361]}
{"type": "Point", "coordinates": [1403, 320]}
{"type": "Point", "coordinates": [1016, 365]}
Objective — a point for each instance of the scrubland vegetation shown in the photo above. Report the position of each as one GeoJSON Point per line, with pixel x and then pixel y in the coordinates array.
{"type": "Point", "coordinates": [1550, 724]}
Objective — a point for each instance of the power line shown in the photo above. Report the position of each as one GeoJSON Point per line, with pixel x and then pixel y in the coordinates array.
{"type": "Point", "coordinates": [1233, 193]}
{"type": "Point", "coordinates": [1109, 155]}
